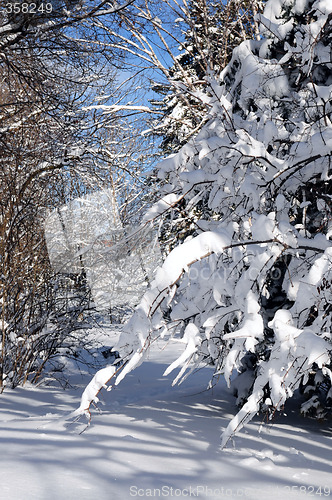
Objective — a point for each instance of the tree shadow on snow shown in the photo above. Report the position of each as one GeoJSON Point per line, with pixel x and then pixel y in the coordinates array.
{"type": "Point", "coordinates": [149, 436]}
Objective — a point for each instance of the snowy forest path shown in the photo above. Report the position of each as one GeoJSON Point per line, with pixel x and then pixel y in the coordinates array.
{"type": "Point", "coordinates": [151, 437]}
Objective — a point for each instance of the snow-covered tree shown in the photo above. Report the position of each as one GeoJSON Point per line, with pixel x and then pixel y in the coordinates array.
{"type": "Point", "coordinates": [249, 291]}
{"type": "Point", "coordinates": [210, 31]}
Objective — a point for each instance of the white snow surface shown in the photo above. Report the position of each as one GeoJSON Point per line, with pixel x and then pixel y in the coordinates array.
{"type": "Point", "coordinates": [155, 440]}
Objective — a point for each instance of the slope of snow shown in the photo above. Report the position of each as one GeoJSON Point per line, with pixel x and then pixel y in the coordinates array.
{"type": "Point", "coordinates": [154, 440]}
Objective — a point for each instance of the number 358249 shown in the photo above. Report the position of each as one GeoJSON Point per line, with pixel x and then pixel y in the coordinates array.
{"type": "Point", "coordinates": [28, 8]}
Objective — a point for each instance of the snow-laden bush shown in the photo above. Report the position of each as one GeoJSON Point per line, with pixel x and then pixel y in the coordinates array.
{"type": "Point", "coordinates": [249, 291]}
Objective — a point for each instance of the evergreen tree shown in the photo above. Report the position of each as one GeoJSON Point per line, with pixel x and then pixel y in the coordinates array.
{"type": "Point", "coordinates": [249, 292]}
{"type": "Point", "coordinates": [211, 31]}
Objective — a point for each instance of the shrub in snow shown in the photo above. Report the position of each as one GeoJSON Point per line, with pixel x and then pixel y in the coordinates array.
{"type": "Point", "coordinates": [249, 292]}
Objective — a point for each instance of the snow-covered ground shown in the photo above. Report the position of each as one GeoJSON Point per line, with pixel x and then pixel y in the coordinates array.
{"type": "Point", "coordinates": [153, 440]}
